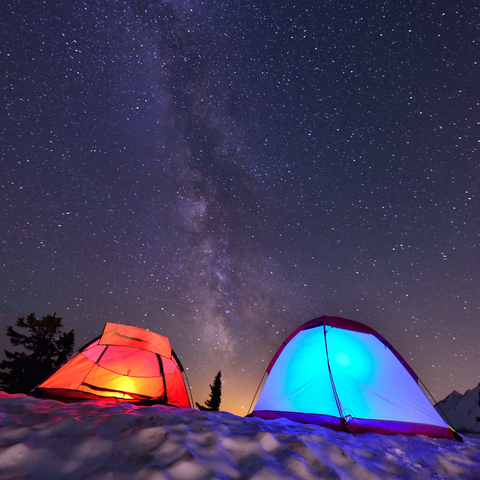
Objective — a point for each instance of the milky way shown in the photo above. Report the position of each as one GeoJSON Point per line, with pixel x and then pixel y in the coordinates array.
{"type": "Point", "coordinates": [222, 172]}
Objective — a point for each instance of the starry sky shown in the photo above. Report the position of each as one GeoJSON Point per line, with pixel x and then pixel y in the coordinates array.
{"type": "Point", "coordinates": [220, 172]}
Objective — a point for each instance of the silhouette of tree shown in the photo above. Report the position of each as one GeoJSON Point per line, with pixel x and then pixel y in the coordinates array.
{"type": "Point", "coordinates": [43, 348]}
{"type": "Point", "coordinates": [213, 403]}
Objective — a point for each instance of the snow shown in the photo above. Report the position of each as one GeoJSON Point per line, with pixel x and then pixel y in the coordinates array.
{"type": "Point", "coordinates": [45, 439]}
{"type": "Point", "coordinates": [462, 411]}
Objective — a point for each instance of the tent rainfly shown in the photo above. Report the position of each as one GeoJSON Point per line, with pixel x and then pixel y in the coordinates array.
{"type": "Point", "coordinates": [124, 364]}
{"type": "Point", "coordinates": [344, 375]}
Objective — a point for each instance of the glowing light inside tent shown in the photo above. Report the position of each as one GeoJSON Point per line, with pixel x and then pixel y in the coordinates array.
{"type": "Point", "coordinates": [342, 359]}
{"type": "Point", "coordinates": [319, 366]}
{"type": "Point", "coordinates": [125, 384]}
{"type": "Point", "coordinates": [125, 369]}
{"type": "Point", "coordinates": [299, 375]}
{"type": "Point", "coordinates": [348, 350]}
{"type": "Point", "coordinates": [375, 385]}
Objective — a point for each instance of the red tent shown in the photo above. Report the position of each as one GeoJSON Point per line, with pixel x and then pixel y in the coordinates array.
{"type": "Point", "coordinates": [124, 364]}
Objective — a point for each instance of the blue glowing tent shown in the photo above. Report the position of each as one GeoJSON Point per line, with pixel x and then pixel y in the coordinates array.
{"type": "Point", "coordinates": [342, 374]}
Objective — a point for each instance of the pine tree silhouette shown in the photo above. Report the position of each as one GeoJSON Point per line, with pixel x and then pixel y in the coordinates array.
{"type": "Point", "coordinates": [213, 403]}
{"type": "Point", "coordinates": [48, 347]}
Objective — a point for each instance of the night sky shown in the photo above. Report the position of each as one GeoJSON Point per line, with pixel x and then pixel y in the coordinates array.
{"type": "Point", "coordinates": [221, 172]}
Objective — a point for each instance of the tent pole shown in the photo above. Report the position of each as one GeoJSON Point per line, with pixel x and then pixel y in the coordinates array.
{"type": "Point", "coordinates": [255, 396]}
{"type": "Point", "coordinates": [335, 394]}
{"type": "Point", "coordinates": [455, 433]}
{"type": "Point", "coordinates": [190, 394]}
{"type": "Point", "coordinates": [165, 397]}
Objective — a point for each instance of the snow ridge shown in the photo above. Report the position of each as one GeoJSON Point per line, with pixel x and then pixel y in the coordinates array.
{"type": "Point", "coordinates": [462, 411]}
{"type": "Point", "coordinates": [49, 440]}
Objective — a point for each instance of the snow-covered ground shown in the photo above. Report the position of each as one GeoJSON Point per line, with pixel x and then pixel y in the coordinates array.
{"type": "Point", "coordinates": [42, 439]}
